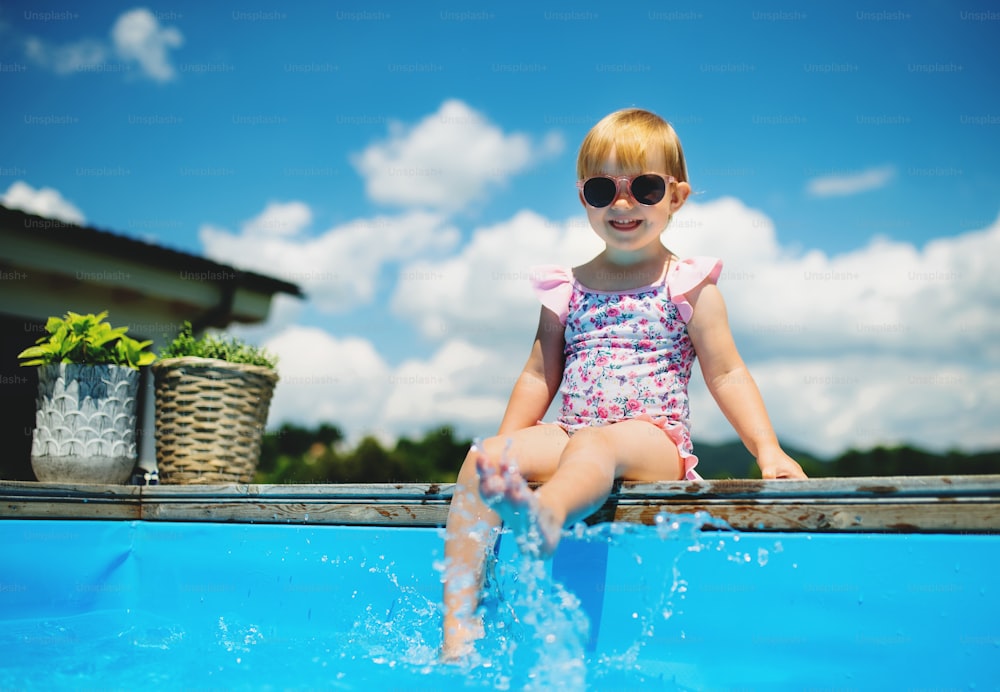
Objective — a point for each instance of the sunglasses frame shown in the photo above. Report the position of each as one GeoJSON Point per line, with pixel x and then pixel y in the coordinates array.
{"type": "Point", "coordinates": [618, 180]}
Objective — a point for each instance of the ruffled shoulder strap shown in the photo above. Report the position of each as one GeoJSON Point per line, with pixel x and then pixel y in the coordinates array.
{"type": "Point", "coordinates": [687, 275]}
{"type": "Point", "coordinates": [553, 285]}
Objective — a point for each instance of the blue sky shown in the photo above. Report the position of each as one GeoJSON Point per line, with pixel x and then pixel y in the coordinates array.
{"type": "Point", "coordinates": [406, 162]}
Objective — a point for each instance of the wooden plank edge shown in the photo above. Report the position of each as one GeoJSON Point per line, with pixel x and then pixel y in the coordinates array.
{"type": "Point", "coordinates": [903, 486]}
{"type": "Point", "coordinates": [965, 517]}
{"type": "Point", "coordinates": [417, 505]}
{"type": "Point", "coordinates": [398, 514]}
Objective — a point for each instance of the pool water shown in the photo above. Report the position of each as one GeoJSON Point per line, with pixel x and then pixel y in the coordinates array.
{"type": "Point", "coordinates": [92, 604]}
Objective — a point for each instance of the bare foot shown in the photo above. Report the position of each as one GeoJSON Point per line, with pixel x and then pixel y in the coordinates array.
{"type": "Point", "coordinates": [505, 490]}
{"type": "Point", "coordinates": [459, 639]}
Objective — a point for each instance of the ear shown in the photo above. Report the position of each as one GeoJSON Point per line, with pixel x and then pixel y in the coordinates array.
{"type": "Point", "coordinates": [579, 194]}
{"type": "Point", "coordinates": [679, 196]}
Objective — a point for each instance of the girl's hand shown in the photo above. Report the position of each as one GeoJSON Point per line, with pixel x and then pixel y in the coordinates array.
{"type": "Point", "coordinates": [776, 464]}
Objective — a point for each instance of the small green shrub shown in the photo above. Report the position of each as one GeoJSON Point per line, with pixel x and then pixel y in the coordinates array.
{"type": "Point", "coordinates": [87, 340]}
{"type": "Point", "coordinates": [222, 348]}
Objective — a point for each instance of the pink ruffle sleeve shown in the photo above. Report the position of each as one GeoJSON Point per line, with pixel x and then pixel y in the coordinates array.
{"type": "Point", "coordinates": [687, 275]}
{"type": "Point", "coordinates": [553, 285]}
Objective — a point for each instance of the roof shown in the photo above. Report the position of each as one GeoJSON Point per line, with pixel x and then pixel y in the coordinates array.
{"type": "Point", "coordinates": [117, 245]}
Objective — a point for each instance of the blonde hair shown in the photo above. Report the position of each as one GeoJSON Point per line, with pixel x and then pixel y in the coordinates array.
{"type": "Point", "coordinates": [632, 133]}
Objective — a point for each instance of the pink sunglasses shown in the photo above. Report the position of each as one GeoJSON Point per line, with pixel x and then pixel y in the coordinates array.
{"type": "Point", "coordinates": [646, 188]}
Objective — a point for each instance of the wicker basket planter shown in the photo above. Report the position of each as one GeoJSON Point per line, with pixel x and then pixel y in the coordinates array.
{"type": "Point", "coordinates": [85, 423]}
{"type": "Point", "coordinates": [210, 418]}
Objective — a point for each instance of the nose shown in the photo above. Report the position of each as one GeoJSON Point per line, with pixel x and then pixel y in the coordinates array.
{"type": "Point", "coordinates": [622, 194]}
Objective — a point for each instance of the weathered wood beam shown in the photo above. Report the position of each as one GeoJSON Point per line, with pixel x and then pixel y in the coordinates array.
{"type": "Point", "coordinates": [938, 504]}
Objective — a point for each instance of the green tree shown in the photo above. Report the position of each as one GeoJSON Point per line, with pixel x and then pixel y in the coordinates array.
{"type": "Point", "coordinates": [294, 454]}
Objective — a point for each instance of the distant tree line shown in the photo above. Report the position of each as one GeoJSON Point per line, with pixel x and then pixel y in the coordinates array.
{"type": "Point", "coordinates": [294, 454]}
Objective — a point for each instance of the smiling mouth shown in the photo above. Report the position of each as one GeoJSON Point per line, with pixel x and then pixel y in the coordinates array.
{"type": "Point", "coordinates": [624, 224]}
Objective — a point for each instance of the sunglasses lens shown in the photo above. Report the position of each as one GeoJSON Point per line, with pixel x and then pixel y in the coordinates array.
{"type": "Point", "coordinates": [600, 192]}
{"type": "Point", "coordinates": [648, 189]}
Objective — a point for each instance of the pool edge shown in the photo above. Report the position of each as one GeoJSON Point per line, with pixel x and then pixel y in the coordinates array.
{"type": "Point", "coordinates": [904, 504]}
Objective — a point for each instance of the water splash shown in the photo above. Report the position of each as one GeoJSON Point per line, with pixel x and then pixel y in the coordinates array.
{"type": "Point", "coordinates": [405, 633]}
{"type": "Point", "coordinates": [536, 631]}
{"type": "Point", "coordinates": [239, 640]}
{"type": "Point", "coordinates": [658, 594]}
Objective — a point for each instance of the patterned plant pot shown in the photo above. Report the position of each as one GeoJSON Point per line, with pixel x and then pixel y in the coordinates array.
{"type": "Point", "coordinates": [85, 424]}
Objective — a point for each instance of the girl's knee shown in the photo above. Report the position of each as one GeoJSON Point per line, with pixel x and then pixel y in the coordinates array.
{"type": "Point", "coordinates": [589, 438]}
{"type": "Point", "coordinates": [493, 447]}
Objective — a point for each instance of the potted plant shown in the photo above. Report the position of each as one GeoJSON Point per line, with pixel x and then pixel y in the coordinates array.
{"type": "Point", "coordinates": [212, 398]}
{"type": "Point", "coordinates": [88, 380]}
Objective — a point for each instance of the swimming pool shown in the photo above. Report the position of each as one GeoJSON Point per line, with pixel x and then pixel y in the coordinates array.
{"type": "Point", "coordinates": [678, 603]}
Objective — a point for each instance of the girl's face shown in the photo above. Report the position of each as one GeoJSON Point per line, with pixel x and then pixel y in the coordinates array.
{"type": "Point", "coordinates": [627, 226]}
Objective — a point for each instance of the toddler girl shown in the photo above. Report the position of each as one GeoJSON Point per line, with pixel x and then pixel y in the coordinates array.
{"type": "Point", "coordinates": [616, 340]}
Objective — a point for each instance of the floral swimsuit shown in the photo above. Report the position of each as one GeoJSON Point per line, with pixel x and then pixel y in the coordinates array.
{"type": "Point", "coordinates": [628, 353]}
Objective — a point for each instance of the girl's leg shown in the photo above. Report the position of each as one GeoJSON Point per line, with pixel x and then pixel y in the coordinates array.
{"type": "Point", "coordinates": [588, 467]}
{"type": "Point", "coordinates": [537, 451]}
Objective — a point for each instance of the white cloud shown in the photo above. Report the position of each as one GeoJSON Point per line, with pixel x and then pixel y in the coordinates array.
{"type": "Point", "coordinates": [840, 185]}
{"type": "Point", "coordinates": [877, 297]}
{"type": "Point", "coordinates": [78, 56]}
{"type": "Point", "coordinates": [483, 293]}
{"type": "Point", "coordinates": [44, 201]}
{"type": "Point", "coordinates": [280, 219]}
{"type": "Point", "coordinates": [450, 387]}
{"type": "Point", "coordinates": [826, 405]}
{"type": "Point", "coordinates": [338, 269]}
{"type": "Point", "coordinates": [886, 344]}
{"type": "Point", "coordinates": [138, 36]}
{"type": "Point", "coordinates": [447, 160]}
{"type": "Point", "coordinates": [324, 379]}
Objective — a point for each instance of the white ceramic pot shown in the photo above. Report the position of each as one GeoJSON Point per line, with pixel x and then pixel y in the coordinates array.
{"type": "Point", "coordinates": [85, 423]}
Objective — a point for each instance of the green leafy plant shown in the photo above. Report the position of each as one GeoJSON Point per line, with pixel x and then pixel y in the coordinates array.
{"type": "Point", "coordinates": [87, 340]}
{"type": "Point", "coordinates": [229, 349]}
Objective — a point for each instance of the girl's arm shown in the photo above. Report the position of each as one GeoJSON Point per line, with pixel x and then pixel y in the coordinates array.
{"type": "Point", "coordinates": [731, 385]}
{"type": "Point", "coordinates": [539, 381]}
